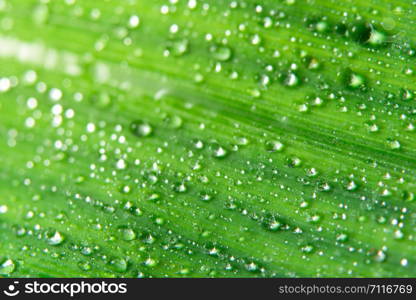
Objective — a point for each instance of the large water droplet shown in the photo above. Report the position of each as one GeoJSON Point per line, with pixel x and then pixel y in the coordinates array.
{"type": "Point", "coordinates": [7, 266]}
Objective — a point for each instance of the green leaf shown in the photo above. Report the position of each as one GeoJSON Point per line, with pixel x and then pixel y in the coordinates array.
{"type": "Point", "coordinates": [207, 138]}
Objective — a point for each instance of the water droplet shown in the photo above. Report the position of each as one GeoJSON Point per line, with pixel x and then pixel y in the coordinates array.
{"type": "Point", "coordinates": [380, 256]}
{"type": "Point", "coordinates": [398, 234]}
{"type": "Point", "coordinates": [252, 267]}
{"type": "Point", "coordinates": [121, 164]}
{"type": "Point", "coordinates": [150, 262]}
{"type": "Point", "coordinates": [294, 162]}
{"type": "Point", "coordinates": [219, 151]}
{"type": "Point", "coordinates": [134, 21]}
{"type": "Point", "coordinates": [376, 38]}
{"type": "Point", "coordinates": [90, 127]}
{"type": "Point", "coordinates": [84, 265]}
{"type": "Point", "coordinates": [128, 234]}
{"type": "Point", "coordinates": [3, 209]}
{"type": "Point", "coordinates": [55, 94]}
{"type": "Point", "coordinates": [351, 186]}
{"type": "Point", "coordinates": [221, 53]}
{"type": "Point", "coordinates": [394, 144]}
{"type": "Point", "coordinates": [291, 80]}
{"type": "Point", "coordinates": [180, 188]}
{"type": "Point", "coordinates": [198, 144]}
{"type": "Point", "coordinates": [355, 80]}
{"type": "Point", "coordinates": [273, 146]}
{"type": "Point", "coordinates": [119, 265]}
{"type": "Point", "coordinates": [178, 47]}
{"type": "Point", "coordinates": [272, 223]}
{"type": "Point", "coordinates": [307, 249]}
{"type": "Point", "coordinates": [342, 237]}
{"type": "Point", "coordinates": [255, 39]}
{"type": "Point", "coordinates": [312, 63]}
{"type": "Point", "coordinates": [404, 262]}
{"type": "Point", "coordinates": [7, 266]}
{"type": "Point", "coordinates": [407, 94]}
{"type": "Point", "coordinates": [408, 196]}
{"type": "Point", "coordinates": [140, 128]}
{"type": "Point", "coordinates": [54, 237]}
{"type": "Point", "coordinates": [205, 196]}
{"type": "Point", "coordinates": [321, 26]}
{"type": "Point", "coordinates": [174, 121]}
{"type": "Point", "coordinates": [86, 250]}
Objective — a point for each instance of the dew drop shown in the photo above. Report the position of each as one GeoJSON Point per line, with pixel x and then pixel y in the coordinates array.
{"type": "Point", "coordinates": [355, 80]}
{"type": "Point", "coordinates": [291, 80]}
{"type": "Point", "coordinates": [204, 196]}
{"type": "Point", "coordinates": [342, 237]}
{"type": "Point", "coordinates": [178, 47]}
{"type": "Point", "coordinates": [221, 53]}
{"type": "Point", "coordinates": [219, 151]}
{"type": "Point", "coordinates": [121, 164]}
{"type": "Point", "coordinates": [7, 266]}
{"type": "Point", "coordinates": [128, 234]}
{"type": "Point", "coordinates": [150, 262]}
{"type": "Point", "coordinates": [274, 146]}
{"type": "Point", "coordinates": [376, 38]}
{"type": "Point", "coordinates": [140, 128]}
{"type": "Point", "coordinates": [119, 265]}
{"type": "Point", "coordinates": [294, 162]}
{"type": "Point", "coordinates": [134, 21]}
{"type": "Point", "coordinates": [54, 237]}
{"type": "Point", "coordinates": [55, 94]}
{"type": "Point", "coordinates": [84, 266]}
{"type": "Point", "coordinates": [394, 144]}
{"type": "Point", "coordinates": [307, 249]}
{"type": "Point", "coordinates": [404, 262]}
{"type": "Point", "coordinates": [351, 186]}
{"type": "Point", "coordinates": [380, 256]}
{"type": "Point", "coordinates": [3, 209]}
{"type": "Point", "coordinates": [252, 267]}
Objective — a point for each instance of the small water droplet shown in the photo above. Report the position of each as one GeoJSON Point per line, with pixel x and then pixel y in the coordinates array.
{"type": "Point", "coordinates": [219, 151]}
{"type": "Point", "coordinates": [84, 265]}
{"type": "Point", "coordinates": [307, 249]}
{"type": "Point", "coordinates": [119, 265]}
{"type": "Point", "coordinates": [404, 262]}
{"type": "Point", "coordinates": [291, 79]}
{"type": "Point", "coordinates": [134, 21]}
{"type": "Point", "coordinates": [355, 80]}
{"type": "Point", "coordinates": [150, 262]}
{"type": "Point", "coordinates": [178, 47]}
{"type": "Point", "coordinates": [342, 237]}
{"type": "Point", "coordinates": [394, 144]}
{"type": "Point", "coordinates": [128, 234]}
{"type": "Point", "coordinates": [121, 164]}
{"type": "Point", "coordinates": [380, 256]}
{"type": "Point", "coordinates": [54, 237]}
{"type": "Point", "coordinates": [252, 267]}
{"type": "Point", "coordinates": [221, 53]}
{"type": "Point", "coordinates": [274, 146]}
{"type": "Point", "coordinates": [141, 129]}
